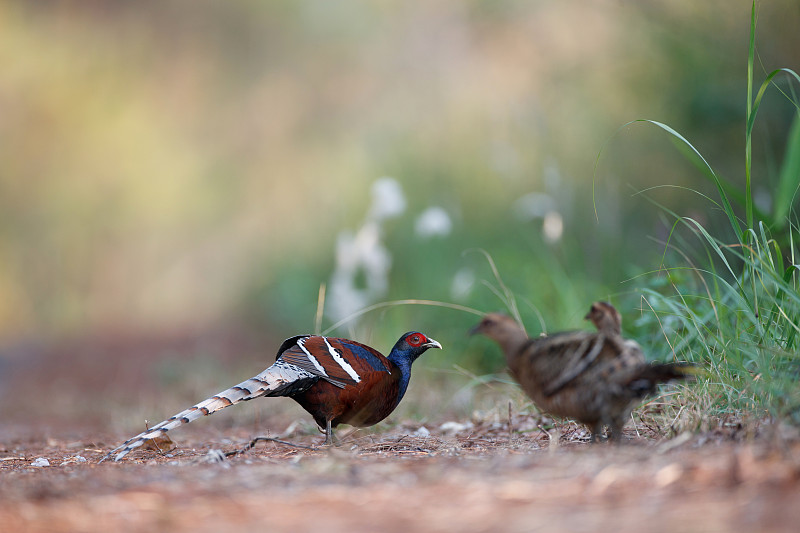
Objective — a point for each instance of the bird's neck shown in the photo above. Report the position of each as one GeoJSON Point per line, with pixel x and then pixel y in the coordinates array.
{"type": "Point", "coordinates": [402, 369]}
{"type": "Point", "coordinates": [513, 346]}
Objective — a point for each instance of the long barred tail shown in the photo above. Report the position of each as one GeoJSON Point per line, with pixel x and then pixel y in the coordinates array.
{"type": "Point", "coordinates": [280, 379]}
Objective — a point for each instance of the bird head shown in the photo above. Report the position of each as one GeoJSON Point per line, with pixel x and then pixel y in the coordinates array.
{"type": "Point", "coordinates": [411, 345]}
{"type": "Point", "coordinates": [605, 318]}
{"type": "Point", "coordinates": [502, 329]}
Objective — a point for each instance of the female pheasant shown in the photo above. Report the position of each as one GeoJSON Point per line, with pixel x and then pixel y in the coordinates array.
{"type": "Point", "coordinates": [595, 378]}
{"type": "Point", "coordinates": [338, 381]}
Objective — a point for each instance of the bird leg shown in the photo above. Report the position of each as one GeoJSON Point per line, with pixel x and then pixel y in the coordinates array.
{"type": "Point", "coordinates": [615, 432]}
{"type": "Point", "coordinates": [330, 438]}
{"type": "Point", "coordinates": [597, 432]}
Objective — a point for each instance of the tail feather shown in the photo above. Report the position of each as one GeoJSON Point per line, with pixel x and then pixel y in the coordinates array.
{"type": "Point", "coordinates": [278, 380]}
{"type": "Point", "coordinates": [651, 375]}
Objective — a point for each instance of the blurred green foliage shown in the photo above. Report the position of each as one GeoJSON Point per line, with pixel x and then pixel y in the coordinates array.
{"type": "Point", "coordinates": [166, 166]}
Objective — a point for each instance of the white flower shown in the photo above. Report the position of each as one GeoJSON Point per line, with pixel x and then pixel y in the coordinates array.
{"type": "Point", "coordinates": [553, 226]}
{"type": "Point", "coordinates": [463, 281]}
{"type": "Point", "coordinates": [541, 205]}
{"type": "Point", "coordinates": [388, 200]}
{"type": "Point", "coordinates": [433, 222]}
{"type": "Point", "coordinates": [364, 253]}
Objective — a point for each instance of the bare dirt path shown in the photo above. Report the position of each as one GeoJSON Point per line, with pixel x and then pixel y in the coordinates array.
{"type": "Point", "coordinates": [461, 476]}
{"type": "Point", "coordinates": [399, 482]}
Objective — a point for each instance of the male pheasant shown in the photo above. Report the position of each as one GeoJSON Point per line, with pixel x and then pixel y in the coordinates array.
{"type": "Point", "coordinates": [338, 381]}
{"type": "Point", "coordinates": [595, 378]}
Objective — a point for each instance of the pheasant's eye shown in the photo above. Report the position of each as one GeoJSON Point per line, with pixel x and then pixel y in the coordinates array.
{"type": "Point", "coordinates": [415, 339]}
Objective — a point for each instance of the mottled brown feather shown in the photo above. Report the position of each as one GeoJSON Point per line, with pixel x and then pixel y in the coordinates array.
{"type": "Point", "coordinates": [595, 378]}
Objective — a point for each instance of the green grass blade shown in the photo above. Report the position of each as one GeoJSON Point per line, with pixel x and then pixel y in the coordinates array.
{"type": "Point", "coordinates": [751, 116]}
{"type": "Point", "coordinates": [734, 193]}
{"type": "Point", "coordinates": [726, 205]}
{"type": "Point", "coordinates": [789, 177]}
{"type": "Point", "coordinates": [748, 149]}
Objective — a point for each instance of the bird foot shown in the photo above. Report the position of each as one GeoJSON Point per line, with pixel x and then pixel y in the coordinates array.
{"type": "Point", "coordinates": [331, 443]}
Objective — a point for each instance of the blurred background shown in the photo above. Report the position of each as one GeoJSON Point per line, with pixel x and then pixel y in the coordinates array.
{"type": "Point", "coordinates": [178, 180]}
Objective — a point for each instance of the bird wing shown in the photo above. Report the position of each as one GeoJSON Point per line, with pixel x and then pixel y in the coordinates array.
{"type": "Point", "coordinates": [602, 357]}
{"type": "Point", "coordinates": [623, 358]}
{"type": "Point", "coordinates": [578, 353]}
{"type": "Point", "coordinates": [327, 357]}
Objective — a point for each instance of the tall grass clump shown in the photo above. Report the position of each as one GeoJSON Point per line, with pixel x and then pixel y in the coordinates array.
{"type": "Point", "coordinates": [732, 303]}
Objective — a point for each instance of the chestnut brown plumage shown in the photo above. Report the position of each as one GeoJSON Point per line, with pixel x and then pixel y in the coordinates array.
{"type": "Point", "coordinates": [595, 378]}
{"type": "Point", "coordinates": [338, 381]}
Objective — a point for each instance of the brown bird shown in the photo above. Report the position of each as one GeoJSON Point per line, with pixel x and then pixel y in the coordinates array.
{"type": "Point", "coordinates": [595, 378]}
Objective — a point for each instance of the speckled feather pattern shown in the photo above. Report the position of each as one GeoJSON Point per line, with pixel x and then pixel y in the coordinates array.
{"type": "Point", "coordinates": [596, 378]}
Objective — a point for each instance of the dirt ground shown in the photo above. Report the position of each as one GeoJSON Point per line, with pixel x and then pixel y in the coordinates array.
{"type": "Point", "coordinates": [66, 408]}
{"type": "Point", "coordinates": [466, 479]}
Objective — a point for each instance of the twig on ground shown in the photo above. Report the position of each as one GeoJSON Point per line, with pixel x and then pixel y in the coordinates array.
{"type": "Point", "coordinates": [510, 424]}
{"type": "Point", "coordinates": [253, 442]}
